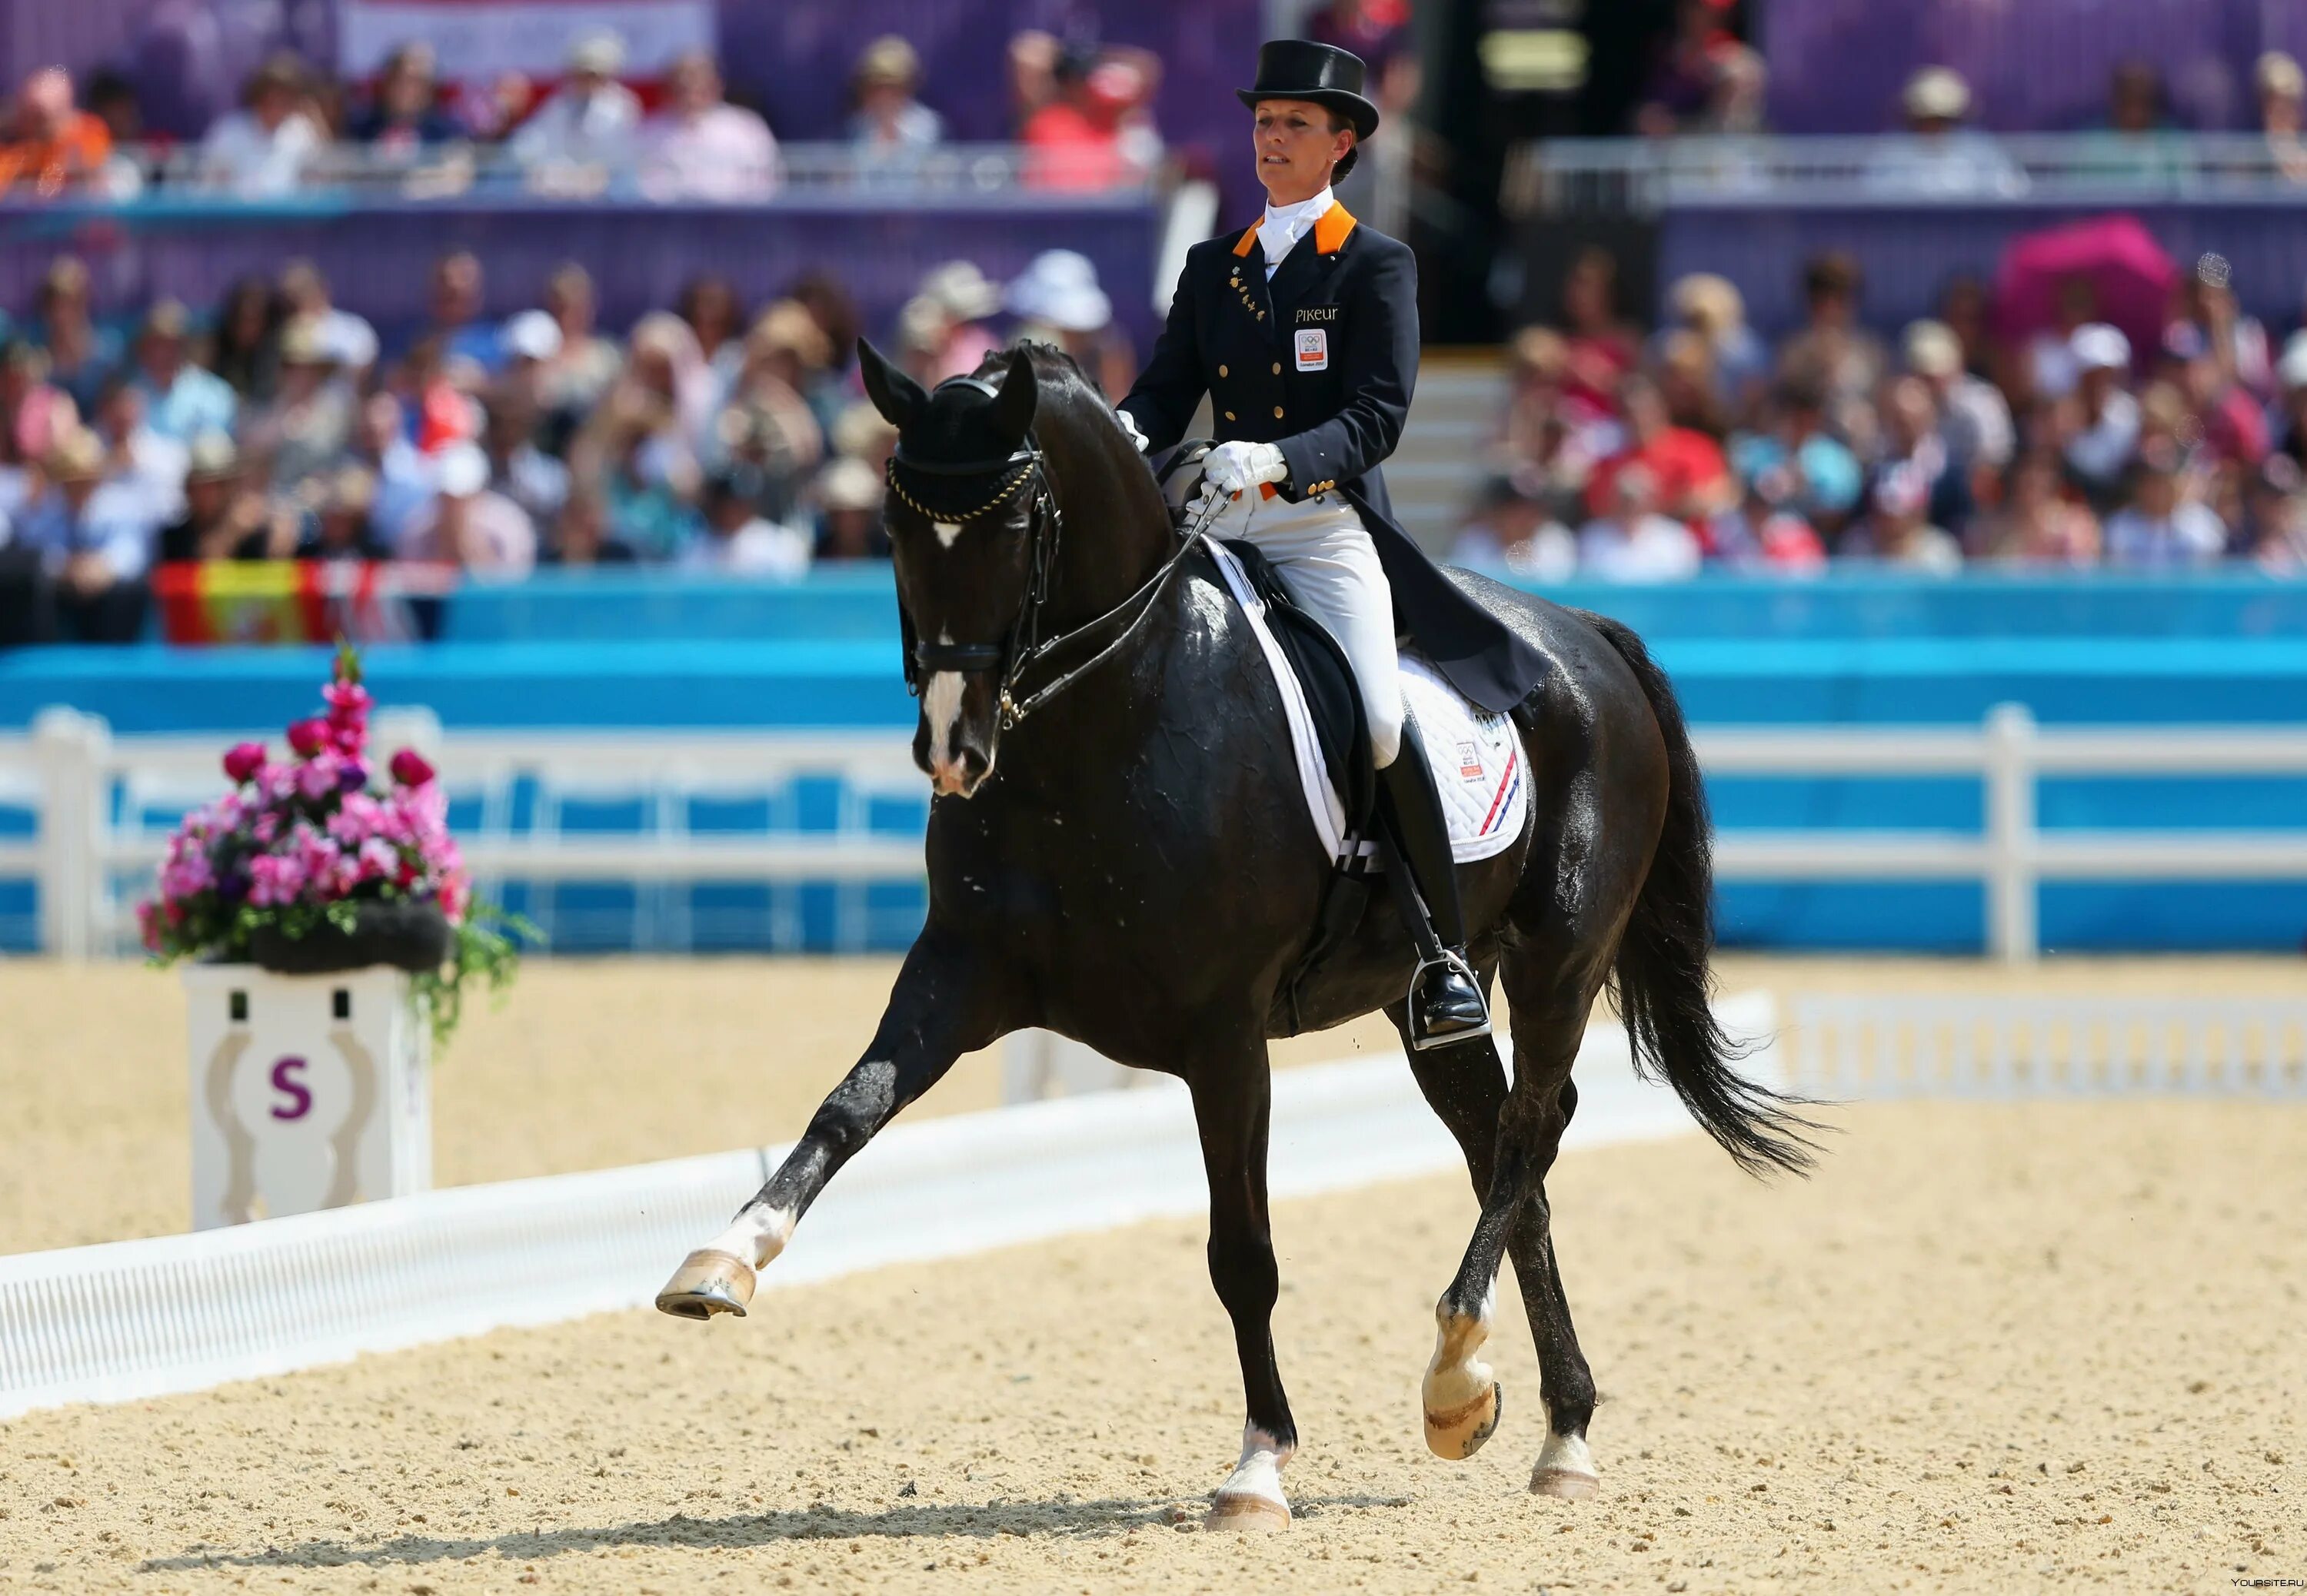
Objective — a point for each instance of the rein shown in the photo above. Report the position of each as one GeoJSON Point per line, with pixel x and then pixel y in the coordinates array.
{"type": "Point", "coordinates": [1026, 647]}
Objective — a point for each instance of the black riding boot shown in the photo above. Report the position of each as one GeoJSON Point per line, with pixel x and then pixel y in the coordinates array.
{"type": "Point", "coordinates": [1445, 1000]}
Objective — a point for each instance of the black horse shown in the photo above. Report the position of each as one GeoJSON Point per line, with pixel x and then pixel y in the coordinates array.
{"type": "Point", "coordinates": [1130, 863]}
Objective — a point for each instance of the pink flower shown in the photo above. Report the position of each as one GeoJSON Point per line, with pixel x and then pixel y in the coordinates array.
{"type": "Point", "coordinates": [379, 860]}
{"type": "Point", "coordinates": [309, 737]}
{"type": "Point", "coordinates": [349, 702]}
{"type": "Point", "coordinates": [244, 760]}
{"type": "Point", "coordinates": [409, 768]}
{"type": "Point", "coordinates": [148, 925]}
{"type": "Point", "coordinates": [322, 776]}
{"type": "Point", "coordinates": [275, 880]}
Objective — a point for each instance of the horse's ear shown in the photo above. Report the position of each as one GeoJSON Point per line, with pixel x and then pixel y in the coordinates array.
{"type": "Point", "coordinates": [897, 396]}
{"type": "Point", "coordinates": [1020, 392]}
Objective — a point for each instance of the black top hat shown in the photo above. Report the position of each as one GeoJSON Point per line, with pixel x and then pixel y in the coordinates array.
{"type": "Point", "coordinates": [1300, 69]}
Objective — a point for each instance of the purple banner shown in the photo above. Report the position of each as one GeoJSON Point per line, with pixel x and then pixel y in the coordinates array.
{"type": "Point", "coordinates": [1837, 66]}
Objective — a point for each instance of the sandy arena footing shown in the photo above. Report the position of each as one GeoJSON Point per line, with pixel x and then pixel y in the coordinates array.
{"type": "Point", "coordinates": [1990, 1348]}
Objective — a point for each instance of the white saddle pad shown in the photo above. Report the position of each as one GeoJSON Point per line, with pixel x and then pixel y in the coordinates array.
{"type": "Point", "coordinates": [1477, 757]}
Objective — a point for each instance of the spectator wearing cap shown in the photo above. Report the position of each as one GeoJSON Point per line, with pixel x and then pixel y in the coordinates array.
{"type": "Point", "coordinates": [2106, 416]}
{"type": "Point", "coordinates": [1057, 299]}
{"type": "Point", "coordinates": [965, 302]}
{"type": "Point", "coordinates": [468, 525]}
{"type": "Point", "coordinates": [848, 494]}
{"type": "Point", "coordinates": [700, 147]}
{"type": "Point", "coordinates": [2282, 88]}
{"type": "Point", "coordinates": [181, 400]}
{"type": "Point", "coordinates": [1688, 477]}
{"type": "Point", "coordinates": [263, 149]}
{"type": "Point", "coordinates": [1897, 530]}
{"type": "Point", "coordinates": [95, 537]}
{"type": "Point", "coordinates": [405, 116]}
{"type": "Point", "coordinates": [527, 346]}
{"type": "Point", "coordinates": [586, 134]}
{"type": "Point", "coordinates": [1974, 417]}
{"type": "Point", "coordinates": [219, 519]}
{"type": "Point", "coordinates": [888, 122]}
{"type": "Point", "coordinates": [1937, 156]}
{"type": "Point", "coordinates": [1631, 541]}
{"type": "Point", "coordinates": [1510, 535]}
{"type": "Point", "coordinates": [2039, 523]}
{"type": "Point", "coordinates": [2163, 525]}
{"type": "Point", "coordinates": [52, 146]}
{"type": "Point", "coordinates": [737, 540]}
{"type": "Point", "coordinates": [349, 339]}
{"type": "Point", "coordinates": [81, 354]}
{"type": "Point", "coordinates": [308, 420]}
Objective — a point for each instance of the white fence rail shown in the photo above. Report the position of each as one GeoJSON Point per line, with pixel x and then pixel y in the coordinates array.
{"type": "Point", "coordinates": [104, 805]}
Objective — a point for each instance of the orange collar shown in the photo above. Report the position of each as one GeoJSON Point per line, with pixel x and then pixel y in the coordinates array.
{"type": "Point", "coordinates": [1330, 230]}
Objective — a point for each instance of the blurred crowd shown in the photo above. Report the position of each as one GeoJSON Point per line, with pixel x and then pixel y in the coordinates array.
{"type": "Point", "coordinates": [1640, 457]}
{"type": "Point", "coordinates": [1083, 116]}
{"type": "Point", "coordinates": [713, 437]}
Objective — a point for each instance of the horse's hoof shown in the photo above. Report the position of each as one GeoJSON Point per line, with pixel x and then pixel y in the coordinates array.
{"type": "Point", "coordinates": [1566, 1469]}
{"type": "Point", "coordinates": [707, 1282]}
{"type": "Point", "coordinates": [1247, 1514]}
{"type": "Point", "coordinates": [1457, 1433]}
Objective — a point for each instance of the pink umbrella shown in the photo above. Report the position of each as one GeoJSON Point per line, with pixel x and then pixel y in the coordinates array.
{"type": "Point", "coordinates": [2131, 278]}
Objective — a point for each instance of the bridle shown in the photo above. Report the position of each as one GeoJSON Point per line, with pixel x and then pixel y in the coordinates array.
{"type": "Point", "coordinates": [1026, 646]}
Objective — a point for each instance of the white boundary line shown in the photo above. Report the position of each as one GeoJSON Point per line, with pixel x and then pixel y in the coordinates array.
{"type": "Point", "coordinates": [132, 1320]}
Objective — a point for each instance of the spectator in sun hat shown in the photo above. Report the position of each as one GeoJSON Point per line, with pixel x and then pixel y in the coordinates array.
{"type": "Point", "coordinates": [888, 119]}
{"type": "Point", "coordinates": [338, 526]}
{"type": "Point", "coordinates": [307, 421]}
{"type": "Point", "coordinates": [262, 149]}
{"type": "Point", "coordinates": [94, 538]}
{"type": "Point", "coordinates": [968, 300]}
{"type": "Point", "coordinates": [527, 346]}
{"type": "Point", "coordinates": [1057, 299]}
{"type": "Point", "coordinates": [181, 400]}
{"type": "Point", "coordinates": [219, 519]}
{"type": "Point", "coordinates": [586, 135]}
{"type": "Point", "coordinates": [848, 498]}
{"type": "Point", "coordinates": [1938, 157]}
{"type": "Point", "coordinates": [2106, 422]}
{"type": "Point", "coordinates": [2283, 111]}
{"type": "Point", "coordinates": [1974, 417]}
{"type": "Point", "coordinates": [1712, 308]}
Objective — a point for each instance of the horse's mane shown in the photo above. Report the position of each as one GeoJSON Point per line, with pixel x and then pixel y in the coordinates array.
{"type": "Point", "coordinates": [1061, 377]}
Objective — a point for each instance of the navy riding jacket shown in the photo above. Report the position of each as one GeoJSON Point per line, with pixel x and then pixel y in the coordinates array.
{"type": "Point", "coordinates": [1321, 362]}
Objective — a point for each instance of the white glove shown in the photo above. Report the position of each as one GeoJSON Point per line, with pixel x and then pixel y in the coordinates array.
{"type": "Point", "coordinates": [1130, 425]}
{"type": "Point", "coordinates": [1234, 468]}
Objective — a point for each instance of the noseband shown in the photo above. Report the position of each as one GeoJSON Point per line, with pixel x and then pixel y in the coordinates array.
{"type": "Point", "coordinates": [1025, 645]}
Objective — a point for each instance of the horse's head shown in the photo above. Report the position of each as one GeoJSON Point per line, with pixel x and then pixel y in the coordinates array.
{"type": "Point", "coordinates": [962, 526]}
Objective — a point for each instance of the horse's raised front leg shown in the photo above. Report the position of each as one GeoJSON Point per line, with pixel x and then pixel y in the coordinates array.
{"type": "Point", "coordinates": [942, 1006]}
{"type": "Point", "coordinates": [1233, 1100]}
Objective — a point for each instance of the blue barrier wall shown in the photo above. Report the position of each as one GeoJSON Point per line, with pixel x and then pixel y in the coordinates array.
{"type": "Point", "coordinates": [635, 651]}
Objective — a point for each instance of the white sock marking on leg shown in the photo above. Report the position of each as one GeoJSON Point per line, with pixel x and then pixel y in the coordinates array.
{"type": "Point", "coordinates": [1259, 1472]}
{"type": "Point", "coordinates": [756, 1235]}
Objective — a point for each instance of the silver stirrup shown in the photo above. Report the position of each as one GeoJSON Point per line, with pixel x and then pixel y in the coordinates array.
{"type": "Point", "coordinates": [1449, 960]}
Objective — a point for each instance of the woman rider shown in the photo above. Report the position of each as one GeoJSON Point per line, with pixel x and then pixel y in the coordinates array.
{"type": "Point", "coordinates": [1303, 332]}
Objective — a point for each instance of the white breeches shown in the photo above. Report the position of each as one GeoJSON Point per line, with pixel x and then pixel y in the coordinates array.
{"type": "Point", "coordinates": [1327, 561]}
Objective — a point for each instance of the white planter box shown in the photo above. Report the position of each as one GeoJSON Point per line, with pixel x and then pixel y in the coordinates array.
{"type": "Point", "coordinates": [307, 1091]}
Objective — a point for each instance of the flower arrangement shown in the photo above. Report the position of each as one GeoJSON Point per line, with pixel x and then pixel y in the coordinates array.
{"type": "Point", "coordinates": [309, 848]}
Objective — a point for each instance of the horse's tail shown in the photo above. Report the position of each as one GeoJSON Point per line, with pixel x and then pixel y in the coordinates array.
{"type": "Point", "coordinates": [1661, 982]}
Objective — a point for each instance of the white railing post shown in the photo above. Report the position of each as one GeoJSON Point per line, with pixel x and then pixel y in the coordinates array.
{"type": "Point", "coordinates": [2011, 931]}
{"type": "Point", "coordinates": [68, 747]}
